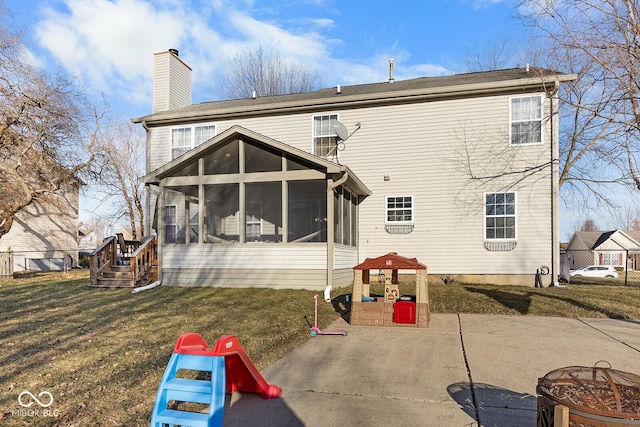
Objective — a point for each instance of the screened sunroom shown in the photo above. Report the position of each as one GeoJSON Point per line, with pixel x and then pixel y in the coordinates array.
{"type": "Point", "coordinates": [245, 210]}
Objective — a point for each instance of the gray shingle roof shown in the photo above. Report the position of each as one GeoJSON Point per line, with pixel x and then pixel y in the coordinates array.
{"type": "Point", "coordinates": [368, 91]}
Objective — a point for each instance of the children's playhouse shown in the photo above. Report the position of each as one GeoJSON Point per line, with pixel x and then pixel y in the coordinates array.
{"type": "Point", "coordinates": [390, 309]}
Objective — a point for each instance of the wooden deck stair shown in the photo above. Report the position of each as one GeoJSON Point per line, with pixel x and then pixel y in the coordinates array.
{"type": "Point", "coordinates": [116, 264]}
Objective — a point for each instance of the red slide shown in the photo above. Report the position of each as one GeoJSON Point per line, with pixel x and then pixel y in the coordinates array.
{"type": "Point", "coordinates": [242, 375]}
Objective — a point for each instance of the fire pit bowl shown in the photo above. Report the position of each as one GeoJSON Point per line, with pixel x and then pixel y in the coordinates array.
{"type": "Point", "coordinates": [595, 397]}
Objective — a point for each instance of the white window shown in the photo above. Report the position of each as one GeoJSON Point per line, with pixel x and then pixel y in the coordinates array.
{"type": "Point", "coordinates": [254, 220]}
{"type": "Point", "coordinates": [526, 120]}
{"type": "Point", "coordinates": [611, 258]}
{"type": "Point", "coordinates": [324, 136]}
{"type": "Point", "coordinates": [500, 216]}
{"type": "Point", "coordinates": [399, 209]}
{"type": "Point", "coordinates": [185, 138]}
{"type": "Point", "coordinates": [170, 223]}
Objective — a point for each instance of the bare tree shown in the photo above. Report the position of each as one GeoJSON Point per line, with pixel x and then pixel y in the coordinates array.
{"type": "Point", "coordinates": [627, 218]}
{"type": "Point", "coordinates": [121, 167]}
{"type": "Point", "coordinates": [601, 37]}
{"type": "Point", "coordinates": [45, 132]}
{"type": "Point", "coordinates": [91, 233]}
{"type": "Point", "coordinates": [266, 73]}
{"type": "Point", "coordinates": [589, 225]}
{"type": "Point", "coordinates": [492, 55]}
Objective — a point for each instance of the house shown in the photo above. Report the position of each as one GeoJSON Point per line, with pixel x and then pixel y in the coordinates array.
{"type": "Point", "coordinates": [293, 191]}
{"type": "Point", "coordinates": [44, 235]}
{"type": "Point", "coordinates": [605, 248]}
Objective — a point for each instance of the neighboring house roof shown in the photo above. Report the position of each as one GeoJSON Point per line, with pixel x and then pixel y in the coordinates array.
{"type": "Point", "coordinates": [236, 132]}
{"type": "Point", "coordinates": [390, 261]}
{"type": "Point", "coordinates": [605, 240]}
{"type": "Point", "coordinates": [398, 91]}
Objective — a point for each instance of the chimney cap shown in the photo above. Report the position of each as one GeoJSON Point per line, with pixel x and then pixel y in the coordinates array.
{"type": "Point", "coordinates": [174, 51]}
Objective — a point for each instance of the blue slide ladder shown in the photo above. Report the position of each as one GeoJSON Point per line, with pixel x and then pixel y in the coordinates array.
{"type": "Point", "coordinates": [174, 388]}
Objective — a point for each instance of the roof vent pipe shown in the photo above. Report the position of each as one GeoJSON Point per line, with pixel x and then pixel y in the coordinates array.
{"type": "Point", "coordinates": [254, 95]}
{"type": "Point", "coordinates": [338, 90]}
{"type": "Point", "coordinates": [174, 51]}
{"type": "Point", "coordinates": [391, 70]}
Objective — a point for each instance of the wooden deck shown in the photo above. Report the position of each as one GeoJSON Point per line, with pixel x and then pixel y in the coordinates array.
{"type": "Point", "coordinates": [124, 264]}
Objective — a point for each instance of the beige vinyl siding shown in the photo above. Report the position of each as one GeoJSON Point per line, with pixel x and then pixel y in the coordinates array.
{"type": "Point", "coordinates": [249, 256]}
{"type": "Point", "coordinates": [294, 130]}
{"type": "Point", "coordinates": [426, 154]}
{"type": "Point", "coordinates": [580, 258]}
{"type": "Point", "coordinates": [44, 231]}
{"type": "Point", "coordinates": [171, 83]}
{"type": "Point", "coordinates": [230, 277]}
{"type": "Point", "coordinates": [246, 265]}
{"type": "Point", "coordinates": [342, 277]}
{"type": "Point", "coordinates": [159, 147]}
{"type": "Point", "coordinates": [345, 257]}
{"type": "Point", "coordinates": [424, 150]}
{"type": "Point", "coordinates": [427, 150]}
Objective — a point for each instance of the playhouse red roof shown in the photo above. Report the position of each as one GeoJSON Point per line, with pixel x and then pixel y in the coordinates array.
{"type": "Point", "coordinates": [390, 261]}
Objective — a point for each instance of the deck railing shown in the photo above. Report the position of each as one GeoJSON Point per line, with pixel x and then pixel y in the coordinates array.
{"type": "Point", "coordinates": [103, 257]}
{"type": "Point", "coordinates": [143, 259]}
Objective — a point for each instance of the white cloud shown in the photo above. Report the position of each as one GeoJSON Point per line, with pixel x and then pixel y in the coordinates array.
{"type": "Point", "coordinates": [479, 4]}
{"type": "Point", "coordinates": [109, 45]}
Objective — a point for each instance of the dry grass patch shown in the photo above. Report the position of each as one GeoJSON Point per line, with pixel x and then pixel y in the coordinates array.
{"type": "Point", "coordinates": [101, 352]}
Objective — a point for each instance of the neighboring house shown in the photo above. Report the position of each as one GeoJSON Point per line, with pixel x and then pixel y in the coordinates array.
{"type": "Point", "coordinates": [459, 172]}
{"type": "Point", "coordinates": [44, 235]}
{"type": "Point", "coordinates": [605, 248]}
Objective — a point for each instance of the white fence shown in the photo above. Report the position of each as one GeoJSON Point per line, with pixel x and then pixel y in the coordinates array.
{"type": "Point", "coordinates": [56, 259]}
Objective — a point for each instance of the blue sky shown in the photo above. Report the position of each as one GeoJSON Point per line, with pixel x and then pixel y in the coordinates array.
{"type": "Point", "coordinates": [108, 45]}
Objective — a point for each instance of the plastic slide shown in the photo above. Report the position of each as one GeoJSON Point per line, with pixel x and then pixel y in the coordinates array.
{"type": "Point", "coordinates": [241, 373]}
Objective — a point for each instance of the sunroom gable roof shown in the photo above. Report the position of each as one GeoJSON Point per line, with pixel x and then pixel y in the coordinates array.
{"type": "Point", "coordinates": [240, 132]}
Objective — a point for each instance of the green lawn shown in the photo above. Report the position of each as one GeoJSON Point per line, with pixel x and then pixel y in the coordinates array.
{"type": "Point", "coordinates": [101, 352]}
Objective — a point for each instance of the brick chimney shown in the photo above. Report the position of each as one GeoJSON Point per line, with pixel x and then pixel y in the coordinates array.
{"type": "Point", "coordinates": [171, 81]}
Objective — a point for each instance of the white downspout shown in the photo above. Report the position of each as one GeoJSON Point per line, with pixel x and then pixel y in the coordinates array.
{"type": "Point", "coordinates": [330, 242]}
{"type": "Point", "coordinates": [555, 155]}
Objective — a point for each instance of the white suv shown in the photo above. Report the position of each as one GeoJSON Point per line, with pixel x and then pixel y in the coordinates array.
{"type": "Point", "coordinates": [595, 271]}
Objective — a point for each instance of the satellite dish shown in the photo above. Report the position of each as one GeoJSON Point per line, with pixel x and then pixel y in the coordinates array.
{"type": "Point", "coordinates": [339, 129]}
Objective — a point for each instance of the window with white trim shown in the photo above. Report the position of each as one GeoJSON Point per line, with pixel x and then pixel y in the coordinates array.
{"type": "Point", "coordinates": [324, 137]}
{"type": "Point", "coordinates": [185, 138]}
{"type": "Point", "coordinates": [500, 216]}
{"type": "Point", "coordinates": [611, 258]}
{"type": "Point", "coordinates": [170, 223]}
{"type": "Point", "coordinates": [526, 120]}
{"type": "Point", "coordinates": [399, 209]}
